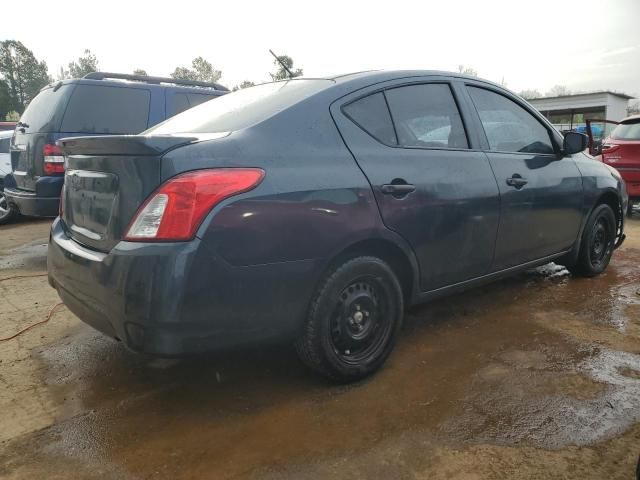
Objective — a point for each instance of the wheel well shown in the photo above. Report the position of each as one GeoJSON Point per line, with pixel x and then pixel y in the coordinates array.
{"type": "Point", "coordinates": [611, 199]}
{"type": "Point", "coordinates": [384, 250]}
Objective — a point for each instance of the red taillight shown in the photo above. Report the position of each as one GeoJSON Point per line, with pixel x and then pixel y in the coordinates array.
{"type": "Point", "coordinates": [175, 211]}
{"type": "Point", "coordinates": [53, 159]}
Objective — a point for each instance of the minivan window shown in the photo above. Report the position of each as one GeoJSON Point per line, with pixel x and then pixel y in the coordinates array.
{"type": "Point", "coordinates": [44, 112]}
{"type": "Point", "coordinates": [508, 126]}
{"type": "Point", "coordinates": [106, 109]}
{"type": "Point", "coordinates": [196, 99]}
{"type": "Point", "coordinates": [4, 144]}
{"type": "Point", "coordinates": [372, 115]}
{"type": "Point", "coordinates": [241, 109]}
{"type": "Point", "coordinates": [426, 116]}
{"type": "Point", "coordinates": [627, 131]}
{"type": "Point", "coordinates": [178, 104]}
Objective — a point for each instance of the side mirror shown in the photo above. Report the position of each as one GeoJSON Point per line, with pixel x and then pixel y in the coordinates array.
{"type": "Point", "coordinates": [574, 142]}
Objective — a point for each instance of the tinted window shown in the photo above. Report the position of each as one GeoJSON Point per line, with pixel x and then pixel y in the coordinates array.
{"type": "Point", "coordinates": [627, 131]}
{"type": "Point", "coordinates": [372, 115]}
{"type": "Point", "coordinates": [426, 116]}
{"type": "Point", "coordinates": [44, 112]}
{"type": "Point", "coordinates": [104, 109]}
{"type": "Point", "coordinates": [508, 126]}
{"type": "Point", "coordinates": [4, 144]}
{"type": "Point", "coordinates": [179, 103]}
{"type": "Point", "coordinates": [196, 99]}
{"type": "Point", "coordinates": [241, 109]}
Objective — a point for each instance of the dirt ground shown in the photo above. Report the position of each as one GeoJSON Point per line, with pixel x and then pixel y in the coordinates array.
{"type": "Point", "coordinates": [534, 377]}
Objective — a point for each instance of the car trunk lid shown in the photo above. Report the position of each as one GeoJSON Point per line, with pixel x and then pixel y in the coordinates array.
{"type": "Point", "coordinates": [106, 181]}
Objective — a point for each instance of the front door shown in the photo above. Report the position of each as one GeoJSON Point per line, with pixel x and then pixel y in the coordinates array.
{"type": "Point", "coordinates": [541, 193]}
{"type": "Point", "coordinates": [431, 186]}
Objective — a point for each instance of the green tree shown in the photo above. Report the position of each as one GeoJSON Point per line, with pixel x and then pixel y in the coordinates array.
{"type": "Point", "coordinates": [281, 73]}
{"type": "Point", "coordinates": [530, 94]}
{"type": "Point", "coordinates": [464, 70]}
{"type": "Point", "coordinates": [140, 71]}
{"type": "Point", "coordinates": [244, 84]}
{"type": "Point", "coordinates": [558, 91]}
{"type": "Point", "coordinates": [201, 70]}
{"type": "Point", "coordinates": [12, 116]}
{"type": "Point", "coordinates": [87, 63]}
{"type": "Point", "coordinates": [6, 102]}
{"type": "Point", "coordinates": [23, 74]}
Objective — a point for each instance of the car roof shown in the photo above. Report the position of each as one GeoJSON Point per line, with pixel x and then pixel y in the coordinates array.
{"type": "Point", "coordinates": [6, 133]}
{"type": "Point", "coordinates": [375, 76]}
{"type": "Point", "coordinates": [631, 118]}
{"type": "Point", "coordinates": [137, 84]}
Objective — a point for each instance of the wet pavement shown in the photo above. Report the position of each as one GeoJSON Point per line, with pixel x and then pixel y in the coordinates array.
{"type": "Point", "coordinates": [537, 376]}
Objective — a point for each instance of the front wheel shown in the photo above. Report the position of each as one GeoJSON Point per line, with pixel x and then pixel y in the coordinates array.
{"type": "Point", "coordinates": [598, 240]}
{"type": "Point", "coordinates": [353, 320]}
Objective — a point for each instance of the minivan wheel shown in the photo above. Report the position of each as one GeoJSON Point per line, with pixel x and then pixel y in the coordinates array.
{"type": "Point", "coordinates": [597, 243]}
{"type": "Point", "coordinates": [353, 320]}
{"type": "Point", "coordinates": [7, 212]}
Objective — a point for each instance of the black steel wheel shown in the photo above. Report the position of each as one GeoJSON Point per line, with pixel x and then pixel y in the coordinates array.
{"type": "Point", "coordinates": [598, 240]}
{"type": "Point", "coordinates": [353, 320]}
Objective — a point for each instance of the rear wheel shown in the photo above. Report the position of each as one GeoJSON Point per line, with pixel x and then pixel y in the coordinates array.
{"type": "Point", "coordinates": [353, 320]}
{"type": "Point", "coordinates": [7, 212]}
{"type": "Point", "coordinates": [597, 244]}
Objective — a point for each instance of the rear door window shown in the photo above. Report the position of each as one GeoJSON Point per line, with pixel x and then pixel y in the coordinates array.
{"type": "Point", "coordinates": [197, 99]}
{"type": "Point", "coordinates": [107, 109]}
{"type": "Point", "coordinates": [508, 126]}
{"type": "Point", "coordinates": [179, 103]}
{"type": "Point", "coordinates": [426, 116]}
{"type": "Point", "coordinates": [372, 115]}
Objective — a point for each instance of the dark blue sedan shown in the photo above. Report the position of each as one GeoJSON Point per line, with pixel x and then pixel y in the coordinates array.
{"type": "Point", "coordinates": [317, 210]}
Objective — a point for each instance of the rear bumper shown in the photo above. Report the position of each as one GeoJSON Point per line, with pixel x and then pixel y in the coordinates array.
{"type": "Point", "coordinates": [176, 298]}
{"type": "Point", "coordinates": [43, 202]}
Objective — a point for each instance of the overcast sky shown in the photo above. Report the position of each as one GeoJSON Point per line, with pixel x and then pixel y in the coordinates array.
{"type": "Point", "coordinates": [585, 45]}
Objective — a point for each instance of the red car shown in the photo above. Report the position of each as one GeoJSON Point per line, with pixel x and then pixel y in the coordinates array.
{"type": "Point", "coordinates": [621, 150]}
{"type": "Point", "coordinates": [7, 126]}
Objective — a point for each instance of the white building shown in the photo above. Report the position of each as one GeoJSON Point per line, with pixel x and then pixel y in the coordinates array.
{"type": "Point", "coordinates": [570, 111]}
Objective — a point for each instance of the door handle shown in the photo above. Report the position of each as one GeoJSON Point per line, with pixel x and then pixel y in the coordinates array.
{"type": "Point", "coordinates": [397, 189]}
{"type": "Point", "coordinates": [517, 181]}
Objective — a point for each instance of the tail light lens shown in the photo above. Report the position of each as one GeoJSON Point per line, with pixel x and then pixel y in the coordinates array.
{"type": "Point", "coordinates": [53, 159]}
{"type": "Point", "coordinates": [174, 212]}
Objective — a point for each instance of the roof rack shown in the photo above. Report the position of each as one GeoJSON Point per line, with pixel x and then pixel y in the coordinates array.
{"type": "Point", "coordinates": [155, 80]}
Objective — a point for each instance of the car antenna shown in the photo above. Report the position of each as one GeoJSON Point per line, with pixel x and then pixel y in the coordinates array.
{"type": "Point", "coordinates": [291, 75]}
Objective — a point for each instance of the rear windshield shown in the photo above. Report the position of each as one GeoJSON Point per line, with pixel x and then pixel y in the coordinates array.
{"type": "Point", "coordinates": [45, 111]}
{"type": "Point", "coordinates": [240, 109]}
{"type": "Point", "coordinates": [106, 109]}
{"type": "Point", "coordinates": [4, 144]}
{"type": "Point", "coordinates": [627, 131]}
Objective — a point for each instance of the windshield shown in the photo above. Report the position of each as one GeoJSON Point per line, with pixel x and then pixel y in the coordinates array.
{"type": "Point", "coordinates": [627, 131]}
{"type": "Point", "coordinates": [240, 109]}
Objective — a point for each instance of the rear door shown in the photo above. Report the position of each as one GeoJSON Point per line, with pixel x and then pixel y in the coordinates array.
{"type": "Point", "coordinates": [431, 185]}
{"type": "Point", "coordinates": [541, 193]}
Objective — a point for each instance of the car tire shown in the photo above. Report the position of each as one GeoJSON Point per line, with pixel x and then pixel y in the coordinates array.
{"type": "Point", "coordinates": [7, 212]}
{"type": "Point", "coordinates": [353, 321]}
{"type": "Point", "coordinates": [598, 240]}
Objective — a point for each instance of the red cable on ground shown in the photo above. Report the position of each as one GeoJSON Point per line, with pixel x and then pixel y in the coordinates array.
{"type": "Point", "coordinates": [51, 312]}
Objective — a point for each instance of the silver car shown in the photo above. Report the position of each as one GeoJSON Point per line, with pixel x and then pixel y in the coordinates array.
{"type": "Point", "coordinates": [7, 213]}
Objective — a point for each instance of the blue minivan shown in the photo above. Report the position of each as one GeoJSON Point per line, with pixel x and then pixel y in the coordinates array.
{"type": "Point", "coordinates": [99, 104]}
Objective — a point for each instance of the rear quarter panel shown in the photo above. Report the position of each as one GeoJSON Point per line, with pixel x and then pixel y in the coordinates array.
{"type": "Point", "coordinates": [276, 242]}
